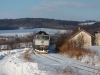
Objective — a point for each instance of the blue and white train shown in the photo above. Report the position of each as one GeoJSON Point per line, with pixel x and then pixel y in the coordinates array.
{"type": "Point", "coordinates": [41, 42]}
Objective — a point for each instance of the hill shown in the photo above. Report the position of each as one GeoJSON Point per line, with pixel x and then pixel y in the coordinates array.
{"type": "Point", "coordinates": [92, 28]}
{"type": "Point", "coordinates": [25, 23]}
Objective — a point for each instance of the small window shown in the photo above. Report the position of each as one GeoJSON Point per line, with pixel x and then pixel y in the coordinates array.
{"type": "Point", "coordinates": [38, 37]}
{"type": "Point", "coordinates": [46, 37]}
{"type": "Point", "coordinates": [41, 37]}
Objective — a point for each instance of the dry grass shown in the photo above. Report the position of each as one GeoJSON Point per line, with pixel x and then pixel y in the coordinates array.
{"type": "Point", "coordinates": [63, 49]}
{"type": "Point", "coordinates": [60, 71]}
{"type": "Point", "coordinates": [27, 57]}
{"type": "Point", "coordinates": [81, 53]}
{"type": "Point", "coordinates": [66, 71]}
{"type": "Point", "coordinates": [78, 52]}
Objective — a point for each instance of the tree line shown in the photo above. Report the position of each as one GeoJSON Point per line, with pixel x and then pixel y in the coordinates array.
{"type": "Point", "coordinates": [16, 42]}
{"type": "Point", "coordinates": [35, 22]}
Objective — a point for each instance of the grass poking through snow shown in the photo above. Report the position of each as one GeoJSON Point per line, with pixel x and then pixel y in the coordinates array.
{"type": "Point", "coordinates": [26, 55]}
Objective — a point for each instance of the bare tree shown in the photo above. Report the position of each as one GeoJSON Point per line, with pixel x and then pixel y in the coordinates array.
{"type": "Point", "coordinates": [80, 42]}
{"type": "Point", "coordinates": [11, 42]}
{"type": "Point", "coordinates": [30, 38]}
{"type": "Point", "coordinates": [1, 42]}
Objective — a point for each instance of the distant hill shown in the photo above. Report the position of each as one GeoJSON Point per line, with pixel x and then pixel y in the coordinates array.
{"type": "Point", "coordinates": [92, 28]}
{"type": "Point", "coordinates": [26, 23]}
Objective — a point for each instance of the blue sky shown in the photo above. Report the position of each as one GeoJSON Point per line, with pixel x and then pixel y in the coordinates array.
{"type": "Point", "coordinates": [79, 10]}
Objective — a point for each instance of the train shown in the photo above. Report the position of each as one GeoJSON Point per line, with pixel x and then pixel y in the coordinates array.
{"type": "Point", "coordinates": [41, 42]}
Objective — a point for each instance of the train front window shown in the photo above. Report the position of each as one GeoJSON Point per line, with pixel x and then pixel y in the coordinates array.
{"type": "Point", "coordinates": [38, 37]}
{"type": "Point", "coordinates": [46, 37]}
{"type": "Point", "coordinates": [42, 37]}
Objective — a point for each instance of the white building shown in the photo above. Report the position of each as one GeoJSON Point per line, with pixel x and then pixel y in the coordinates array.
{"type": "Point", "coordinates": [97, 38]}
{"type": "Point", "coordinates": [81, 36]}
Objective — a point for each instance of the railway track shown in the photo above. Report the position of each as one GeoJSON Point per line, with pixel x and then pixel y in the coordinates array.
{"type": "Point", "coordinates": [74, 64]}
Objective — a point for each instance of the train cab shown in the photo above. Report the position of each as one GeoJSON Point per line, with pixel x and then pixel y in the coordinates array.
{"type": "Point", "coordinates": [41, 42]}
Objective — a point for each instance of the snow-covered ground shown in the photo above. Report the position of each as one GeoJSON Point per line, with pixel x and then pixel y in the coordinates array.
{"type": "Point", "coordinates": [95, 48]}
{"type": "Point", "coordinates": [27, 31]}
{"type": "Point", "coordinates": [4, 59]}
{"type": "Point", "coordinates": [14, 63]}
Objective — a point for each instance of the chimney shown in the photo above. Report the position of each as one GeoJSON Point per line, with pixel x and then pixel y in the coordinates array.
{"type": "Point", "coordinates": [78, 28]}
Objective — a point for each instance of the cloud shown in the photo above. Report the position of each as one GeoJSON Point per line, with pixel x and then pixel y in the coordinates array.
{"type": "Point", "coordinates": [53, 9]}
{"type": "Point", "coordinates": [56, 5]}
{"type": "Point", "coordinates": [62, 4]}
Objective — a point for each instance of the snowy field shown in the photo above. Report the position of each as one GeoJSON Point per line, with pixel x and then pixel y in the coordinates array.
{"type": "Point", "coordinates": [95, 48]}
{"type": "Point", "coordinates": [5, 57]}
{"type": "Point", "coordinates": [27, 31]}
{"type": "Point", "coordinates": [14, 63]}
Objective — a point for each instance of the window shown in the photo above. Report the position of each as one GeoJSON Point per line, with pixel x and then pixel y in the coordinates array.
{"type": "Point", "coordinates": [41, 37]}
{"type": "Point", "coordinates": [46, 37]}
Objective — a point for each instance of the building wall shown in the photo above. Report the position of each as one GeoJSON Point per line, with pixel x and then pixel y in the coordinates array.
{"type": "Point", "coordinates": [97, 39]}
{"type": "Point", "coordinates": [86, 37]}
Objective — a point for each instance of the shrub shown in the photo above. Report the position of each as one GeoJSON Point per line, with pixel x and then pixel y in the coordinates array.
{"type": "Point", "coordinates": [61, 41]}
{"type": "Point", "coordinates": [65, 42]}
{"type": "Point", "coordinates": [27, 57]}
{"type": "Point", "coordinates": [13, 42]}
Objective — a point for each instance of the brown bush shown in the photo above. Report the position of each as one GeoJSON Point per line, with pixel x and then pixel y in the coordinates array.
{"type": "Point", "coordinates": [27, 57]}
{"type": "Point", "coordinates": [65, 42]}
{"type": "Point", "coordinates": [15, 41]}
{"type": "Point", "coordinates": [61, 42]}
{"type": "Point", "coordinates": [78, 52]}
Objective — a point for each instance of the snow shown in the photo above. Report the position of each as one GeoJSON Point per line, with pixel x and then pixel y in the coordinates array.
{"type": "Point", "coordinates": [28, 31]}
{"type": "Point", "coordinates": [4, 58]}
{"type": "Point", "coordinates": [13, 63]}
{"type": "Point", "coordinates": [95, 48]}
{"type": "Point", "coordinates": [87, 23]}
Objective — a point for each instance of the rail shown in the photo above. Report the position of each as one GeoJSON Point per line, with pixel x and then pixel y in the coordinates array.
{"type": "Point", "coordinates": [72, 63]}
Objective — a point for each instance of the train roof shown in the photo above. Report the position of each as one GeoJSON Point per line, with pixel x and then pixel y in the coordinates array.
{"type": "Point", "coordinates": [42, 32]}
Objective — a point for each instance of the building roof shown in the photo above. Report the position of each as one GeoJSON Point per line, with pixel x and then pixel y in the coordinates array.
{"type": "Point", "coordinates": [75, 32]}
{"type": "Point", "coordinates": [97, 32]}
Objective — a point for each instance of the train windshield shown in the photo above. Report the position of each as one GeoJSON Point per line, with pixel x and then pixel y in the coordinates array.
{"type": "Point", "coordinates": [42, 37]}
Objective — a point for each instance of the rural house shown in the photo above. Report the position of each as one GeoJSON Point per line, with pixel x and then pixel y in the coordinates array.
{"type": "Point", "coordinates": [81, 38]}
{"type": "Point", "coordinates": [97, 38]}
